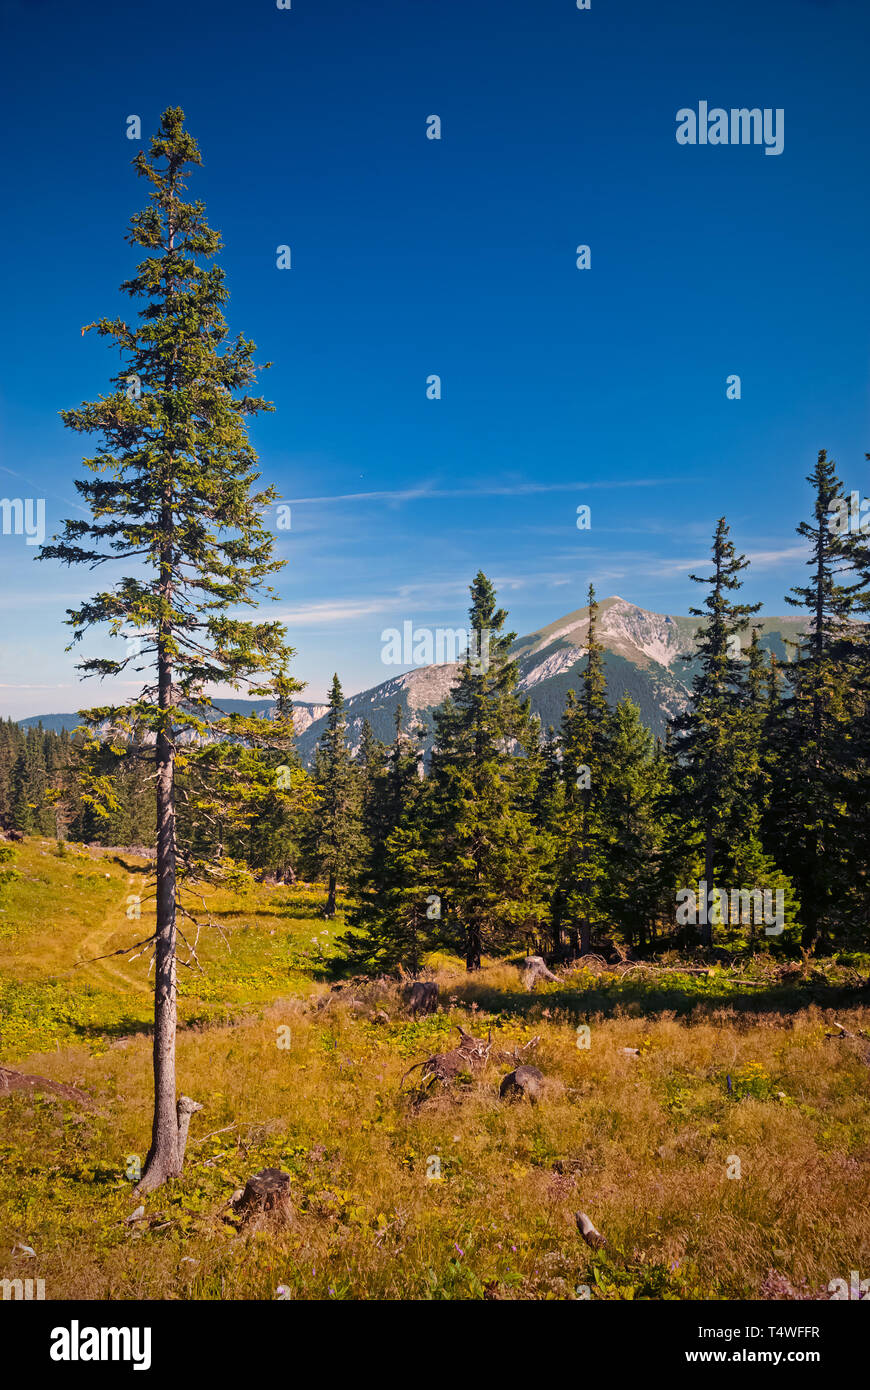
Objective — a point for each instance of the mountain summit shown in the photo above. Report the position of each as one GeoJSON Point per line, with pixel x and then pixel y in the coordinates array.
{"type": "Point", "coordinates": [643, 652]}
{"type": "Point", "coordinates": [643, 659]}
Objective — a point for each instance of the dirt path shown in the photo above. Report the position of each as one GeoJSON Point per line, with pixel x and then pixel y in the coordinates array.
{"type": "Point", "coordinates": [98, 942]}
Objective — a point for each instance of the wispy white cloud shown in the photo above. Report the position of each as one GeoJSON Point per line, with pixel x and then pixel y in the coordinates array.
{"type": "Point", "coordinates": [424, 597]}
{"type": "Point", "coordinates": [425, 491]}
{"type": "Point", "coordinates": [333, 611]}
{"type": "Point", "coordinates": [758, 559]}
{"type": "Point", "coordinates": [28, 478]}
{"type": "Point", "coordinates": [768, 559]}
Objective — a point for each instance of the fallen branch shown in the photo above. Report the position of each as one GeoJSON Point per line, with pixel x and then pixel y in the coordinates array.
{"type": "Point", "coordinates": [591, 1236]}
{"type": "Point", "coordinates": [122, 951]}
{"type": "Point", "coordinates": [213, 1133]}
{"type": "Point", "coordinates": [846, 1033]}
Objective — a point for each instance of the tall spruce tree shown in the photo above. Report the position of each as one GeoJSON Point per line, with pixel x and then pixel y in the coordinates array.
{"type": "Point", "coordinates": [268, 824]}
{"type": "Point", "coordinates": [631, 824]}
{"type": "Point", "coordinates": [813, 830]}
{"type": "Point", "coordinates": [173, 496]}
{"type": "Point", "coordinates": [485, 845]}
{"type": "Point", "coordinates": [579, 901]}
{"type": "Point", "coordinates": [397, 914]}
{"type": "Point", "coordinates": [852, 744]}
{"type": "Point", "coordinates": [709, 761]}
{"type": "Point", "coordinates": [337, 844]}
{"type": "Point", "coordinates": [377, 814]}
{"type": "Point", "coordinates": [30, 782]}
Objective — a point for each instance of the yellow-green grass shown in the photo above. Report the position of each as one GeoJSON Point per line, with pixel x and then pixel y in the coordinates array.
{"type": "Point", "coordinates": [727, 1079]}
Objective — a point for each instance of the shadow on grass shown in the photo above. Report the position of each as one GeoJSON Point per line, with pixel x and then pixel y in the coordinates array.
{"type": "Point", "coordinates": [244, 914]}
{"type": "Point", "coordinates": [651, 1000]}
{"type": "Point", "coordinates": [295, 911]}
{"type": "Point", "coordinates": [130, 868]}
{"type": "Point", "coordinates": [137, 1027]}
{"type": "Point", "coordinates": [121, 1028]}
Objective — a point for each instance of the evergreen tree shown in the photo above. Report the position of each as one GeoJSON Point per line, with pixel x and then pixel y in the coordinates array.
{"type": "Point", "coordinates": [337, 839]}
{"type": "Point", "coordinates": [63, 781]}
{"type": "Point", "coordinates": [709, 754]}
{"type": "Point", "coordinates": [397, 914]}
{"type": "Point", "coordinates": [10, 746]}
{"type": "Point", "coordinates": [579, 897]}
{"type": "Point", "coordinates": [813, 828]}
{"type": "Point", "coordinates": [632, 795]}
{"type": "Point", "coordinates": [854, 751]}
{"type": "Point", "coordinates": [377, 814]}
{"type": "Point", "coordinates": [485, 846]}
{"type": "Point", "coordinates": [268, 816]}
{"type": "Point", "coordinates": [30, 784]}
{"type": "Point", "coordinates": [173, 492]}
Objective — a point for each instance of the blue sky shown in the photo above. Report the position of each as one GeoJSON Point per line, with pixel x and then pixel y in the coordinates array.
{"type": "Point", "coordinates": [412, 257]}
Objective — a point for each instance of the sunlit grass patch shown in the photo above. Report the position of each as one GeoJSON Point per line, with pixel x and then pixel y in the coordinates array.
{"type": "Point", "coordinates": [459, 1195]}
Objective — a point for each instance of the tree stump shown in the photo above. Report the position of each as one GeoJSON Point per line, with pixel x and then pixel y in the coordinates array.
{"type": "Point", "coordinates": [535, 969]}
{"type": "Point", "coordinates": [423, 997]}
{"type": "Point", "coordinates": [470, 1056]}
{"type": "Point", "coordinates": [183, 1111]}
{"type": "Point", "coordinates": [266, 1194]}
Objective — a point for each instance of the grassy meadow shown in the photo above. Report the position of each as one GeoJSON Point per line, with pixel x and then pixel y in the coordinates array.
{"type": "Point", "coordinates": [451, 1194]}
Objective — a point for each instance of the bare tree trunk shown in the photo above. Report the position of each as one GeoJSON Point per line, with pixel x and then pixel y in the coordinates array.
{"type": "Point", "coordinates": [171, 1121]}
{"type": "Point", "coordinates": [706, 927]}
{"type": "Point", "coordinates": [556, 924]}
{"type": "Point", "coordinates": [329, 910]}
{"type": "Point", "coordinates": [472, 947]}
{"type": "Point", "coordinates": [162, 1160]}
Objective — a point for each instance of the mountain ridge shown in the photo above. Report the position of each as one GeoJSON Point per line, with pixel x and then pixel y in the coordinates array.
{"type": "Point", "coordinates": [644, 659]}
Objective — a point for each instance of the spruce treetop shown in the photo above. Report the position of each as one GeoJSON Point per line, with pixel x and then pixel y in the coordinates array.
{"type": "Point", "coordinates": [174, 473]}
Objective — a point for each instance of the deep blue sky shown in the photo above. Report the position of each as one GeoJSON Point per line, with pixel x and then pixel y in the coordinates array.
{"type": "Point", "coordinates": [456, 257]}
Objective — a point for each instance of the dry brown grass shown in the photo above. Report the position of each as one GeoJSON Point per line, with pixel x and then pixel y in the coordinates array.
{"type": "Point", "coordinates": [642, 1144]}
